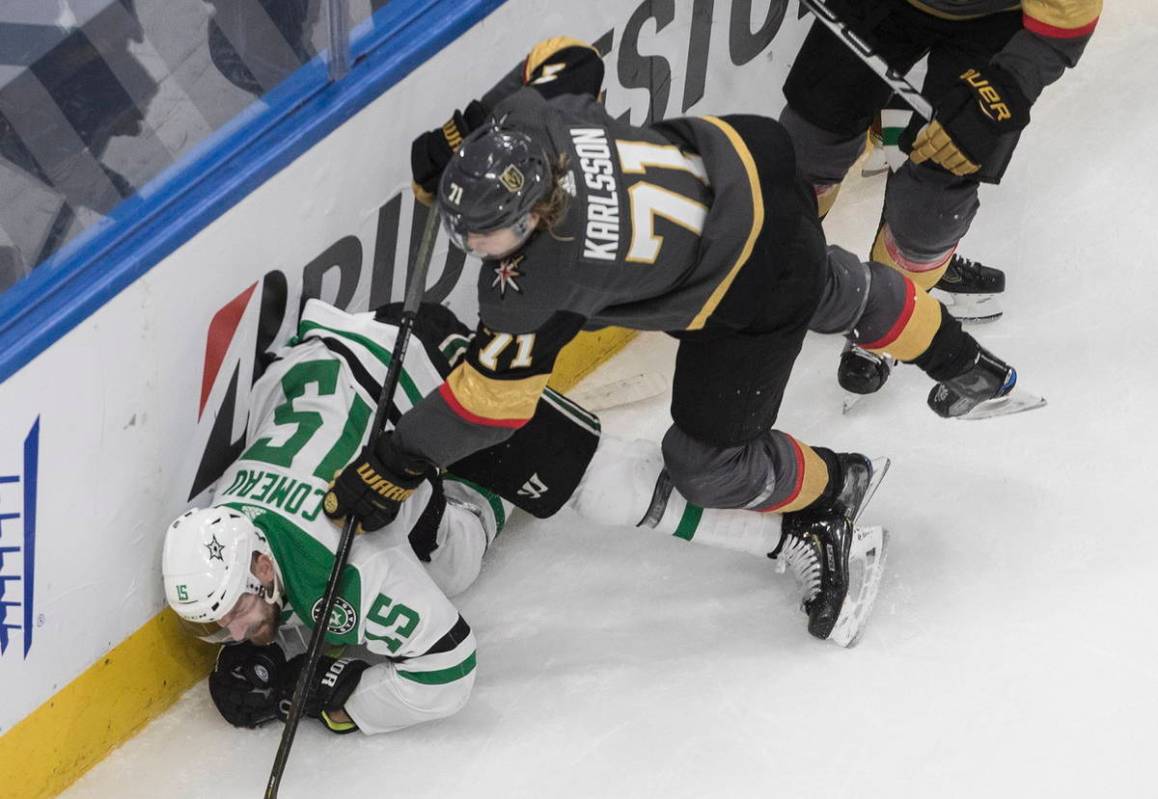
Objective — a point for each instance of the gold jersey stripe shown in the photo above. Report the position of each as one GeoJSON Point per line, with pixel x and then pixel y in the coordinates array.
{"type": "Point", "coordinates": [757, 222]}
{"type": "Point", "coordinates": [918, 331]}
{"type": "Point", "coordinates": [811, 479]}
{"type": "Point", "coordinates": [547, 48]}
{"type": "Point", "coordinates": [495, 400]}
{"type": "Point", "coordinates": [1063, 14]}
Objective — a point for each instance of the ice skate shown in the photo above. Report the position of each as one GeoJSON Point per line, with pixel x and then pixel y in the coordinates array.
{"type": "Point", "coordinates": [987, 388]}
{"type": "Point", "coordinates": [839, 567]}
{"type": "Point", "coordinates": [861, 373]}
{"type": "Point", "coordinates": [860, 477]}
{"type": "Point", "coordinates": [970, 290]}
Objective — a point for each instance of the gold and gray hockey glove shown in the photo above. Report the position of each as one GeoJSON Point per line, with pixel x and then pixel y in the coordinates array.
{"type": "Point", "coordinates": [970, 121]}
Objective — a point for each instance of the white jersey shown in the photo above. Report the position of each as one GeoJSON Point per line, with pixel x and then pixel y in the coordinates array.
{"type": "Point", "coordinates": [310, 416]}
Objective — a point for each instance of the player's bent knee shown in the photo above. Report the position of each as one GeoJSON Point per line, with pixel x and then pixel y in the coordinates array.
{"type": "Point", "coordinates": [714, 476]}
{"type": "Point", "coordinates": [845, 295]}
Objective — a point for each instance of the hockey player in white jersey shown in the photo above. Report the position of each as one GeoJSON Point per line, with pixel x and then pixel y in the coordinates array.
{"type": "Point", "coordinates": [242, 571]}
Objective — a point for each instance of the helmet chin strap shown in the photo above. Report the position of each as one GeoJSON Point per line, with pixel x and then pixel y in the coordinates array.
{"type": "Point", "coordinates": [273, 596]}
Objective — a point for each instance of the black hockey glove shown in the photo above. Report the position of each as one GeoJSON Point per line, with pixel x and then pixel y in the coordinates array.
{"type": "Point", "coordinates": [246, 683]}
{"type": "Point", "coordinates": [971, 118]}
{"type": "Point", "coordinates": [374, 486]}
{"type": "Point", "coordinates": [432, 151]}
{"type": "Point", "coordinates": [332, 683]}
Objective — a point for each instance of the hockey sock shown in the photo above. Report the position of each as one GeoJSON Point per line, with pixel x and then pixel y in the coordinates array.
{"type": "Point", "coordinates": [625, 485]}
{"type": "Point", "coordinates": [951, 351]}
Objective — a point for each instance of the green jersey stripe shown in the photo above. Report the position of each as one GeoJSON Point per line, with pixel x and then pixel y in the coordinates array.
{"type": "Point", "coordinates": [412, 392]}
{"type": "Point", "coordinates": [689, 522]}
{"type": "Point", "coordinates": [453, 346]}
{"type": "Point", "coordinates": [442, 676]}
{"type": "Point", "coordinates": [491, 497]}
{"type": "Point", "coordinates": [569, 408]}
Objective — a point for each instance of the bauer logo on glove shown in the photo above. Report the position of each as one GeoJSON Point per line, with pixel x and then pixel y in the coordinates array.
{"type": "Point", "coordinates": [976, 122]}
{"type": "Point", "coordinates": [990, 101]}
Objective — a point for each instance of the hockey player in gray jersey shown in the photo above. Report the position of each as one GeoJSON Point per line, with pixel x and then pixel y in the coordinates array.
{"type": "Point", "coordinates": [988, 62]}
{"type": "Point", "coordinates": [698, 227]}
{"type": "Point", "coordinates": [242, 571]}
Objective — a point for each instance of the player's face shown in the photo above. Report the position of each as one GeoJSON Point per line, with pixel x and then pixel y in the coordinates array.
{"type": "Point", "coordinates": [500, 243]}
{"type": "Point", "coordinates": [251, 619]}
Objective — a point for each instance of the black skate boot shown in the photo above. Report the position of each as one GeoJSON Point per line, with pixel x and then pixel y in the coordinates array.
{"type": "Point", "coordinates": [855, 480]}
{"type": "Point", "coordinates": [970, 289]}
{"type": "Point", "coordinates": [839, 568]}
{"type": "Point", "coordinates": [988, 379]}
{"type": "Point", "coordinates": [862, 372]}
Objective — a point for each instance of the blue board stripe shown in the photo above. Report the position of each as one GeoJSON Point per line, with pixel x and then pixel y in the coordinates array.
{"type": "Point", "coordinates": [31, 461]}
{"type": "Point", "coordinates": [144, 229]}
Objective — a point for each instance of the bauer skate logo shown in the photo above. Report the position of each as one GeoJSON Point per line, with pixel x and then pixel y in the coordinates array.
{"type": "Point", "coordinates": [18, 482]}
{"type": "Point", "coordinates": [343, 618]}
{"type": "Point", "coordinates": [992, 103]}
{"type": "Point", "coordinates": [534, 488]}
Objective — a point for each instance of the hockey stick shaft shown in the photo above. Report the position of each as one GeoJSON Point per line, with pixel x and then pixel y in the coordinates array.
{"type": "Point", "coordinates": [342, 555]}
{"type": "Point", "coordinates": [864, 51]}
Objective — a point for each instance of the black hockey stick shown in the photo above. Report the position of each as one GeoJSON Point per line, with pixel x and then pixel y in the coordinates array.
{"type": "Point", "coordinates": [393, 373]}
{"type": "Point", "coordinates": [864, 51]}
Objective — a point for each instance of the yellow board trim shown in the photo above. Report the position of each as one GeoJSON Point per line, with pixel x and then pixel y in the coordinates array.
{"type": "Point", "coordinates": [757, 222]}
{"type": "Point", "coordinates": [106, 705]}
{"type": "Point", "coordinates": [143, 676]}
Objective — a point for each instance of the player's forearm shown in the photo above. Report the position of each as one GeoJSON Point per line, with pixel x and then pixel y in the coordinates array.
{"type": "Point", "coordinates": [387, 700]}
{"type": "Point", "coordinates": [1054, 37]}
{"type": "Point", "coordinates": [443, 432]}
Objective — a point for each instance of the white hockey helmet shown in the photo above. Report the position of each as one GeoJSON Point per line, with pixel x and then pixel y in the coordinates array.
{"type": "Point", "coordinates": [206, 567]}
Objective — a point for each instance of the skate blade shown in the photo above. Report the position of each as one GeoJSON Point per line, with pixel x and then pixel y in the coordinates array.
{"type": "Point", "coordinates": [970, 308]}
{"type": "Point", "coordinates": [880, 469]}
{"type": "Point", "coordinates": [1017, 401]}
{"type": "Point", "coordinates": [866, 565]}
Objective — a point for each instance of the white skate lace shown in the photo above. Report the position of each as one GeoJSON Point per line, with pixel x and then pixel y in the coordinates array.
{"type": "Point", "coordinates": [799, 557]}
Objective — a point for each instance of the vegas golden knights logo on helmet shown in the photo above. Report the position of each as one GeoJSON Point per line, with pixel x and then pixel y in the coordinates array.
{"type": "Point", "coordinates": [512, 178]}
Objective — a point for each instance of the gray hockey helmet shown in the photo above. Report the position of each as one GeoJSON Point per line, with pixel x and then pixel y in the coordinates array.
{"type": "Point", "coordinates": [493, 182]}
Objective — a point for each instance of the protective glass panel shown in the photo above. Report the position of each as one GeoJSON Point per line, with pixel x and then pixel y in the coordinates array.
{"type": "Point", "coordinates": [99, 97]}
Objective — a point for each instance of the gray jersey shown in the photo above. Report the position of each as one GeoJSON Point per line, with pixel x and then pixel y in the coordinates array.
{"type": "Point", "coordinates": [657, 227]}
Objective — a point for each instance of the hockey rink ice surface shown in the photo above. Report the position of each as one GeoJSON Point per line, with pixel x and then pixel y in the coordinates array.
{"type": "Point", "coordinates": [1012, 650]}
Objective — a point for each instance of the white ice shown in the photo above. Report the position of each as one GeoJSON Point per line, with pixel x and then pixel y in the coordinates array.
{"type": "Point", "coordinates": [1013, 649]}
